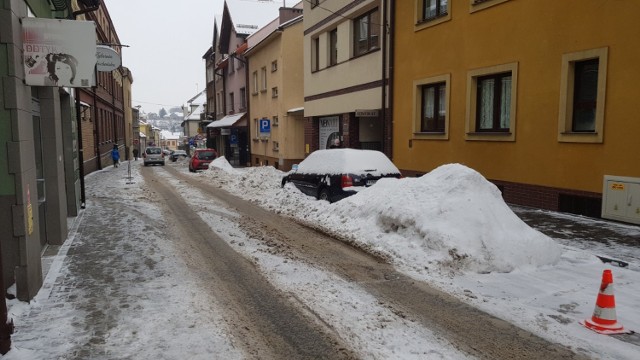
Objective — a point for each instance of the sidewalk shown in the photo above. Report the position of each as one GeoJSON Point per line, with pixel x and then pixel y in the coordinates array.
{"type": "Point", "coordinates": [595, 235]}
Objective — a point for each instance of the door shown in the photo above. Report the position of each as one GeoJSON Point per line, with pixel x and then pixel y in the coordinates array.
{"type": "Point", "coordinates": [37, 144]}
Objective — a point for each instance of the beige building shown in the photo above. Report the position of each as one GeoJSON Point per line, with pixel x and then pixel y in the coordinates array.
{"type": "Point", "coordinates": [345, 75]}
{"type": "Point", "coordinates": [276, 96]}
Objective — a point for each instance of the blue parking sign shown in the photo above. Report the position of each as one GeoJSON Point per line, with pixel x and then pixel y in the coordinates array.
{"type": "Point", "coordinates": [265, 126]}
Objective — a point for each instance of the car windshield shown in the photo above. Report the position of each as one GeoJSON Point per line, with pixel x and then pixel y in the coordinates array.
{"type": "Point", "coordinates": [154, 151]}
{"type": "Point", "coordinates": [206, 155]}
{"type": "Point", "coordinates": [347, 161]}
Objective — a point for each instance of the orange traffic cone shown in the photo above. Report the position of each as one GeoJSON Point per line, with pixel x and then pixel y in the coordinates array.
{"type": "Point", "coordinates": [604, 320]}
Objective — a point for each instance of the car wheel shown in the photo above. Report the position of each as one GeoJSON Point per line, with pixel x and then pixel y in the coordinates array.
{"type": "Point", "coordinates": [284, 182]}
{"type": "Point", "coordinates": [324, 194]}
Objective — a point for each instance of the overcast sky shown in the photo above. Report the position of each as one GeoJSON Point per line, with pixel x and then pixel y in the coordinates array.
{"type": "Point", "coordinates": [167, 39]}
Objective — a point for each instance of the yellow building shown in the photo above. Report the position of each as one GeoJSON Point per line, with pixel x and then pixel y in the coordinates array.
{"type": "Point", "coordinates": [538, 96]}
{"type": "Point", "coordinates": [277, 91]}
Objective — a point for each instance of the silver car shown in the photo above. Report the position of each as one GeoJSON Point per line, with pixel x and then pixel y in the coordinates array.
{"type": "Point", "coordinates": [153, 155]}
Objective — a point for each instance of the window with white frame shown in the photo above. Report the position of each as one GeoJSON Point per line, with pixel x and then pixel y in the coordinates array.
{"type": "Point", "coordinates": [274, 66]}
{"type": "Point", "coordinates": [232, 102]}
{"type": "Point", "coordinates": [582, 96]}
{"type": "Point", "coordinates": [263, 75]}
{"type": "Point", "coordinates": [255, 83]}
{"type": "Point", "coordinates": [275, 120]}
{"type": "Point", "coordinates": [274, 91]}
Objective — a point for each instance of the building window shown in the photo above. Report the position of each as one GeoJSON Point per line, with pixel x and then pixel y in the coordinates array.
{"type": "Point", "coordinates": [491, 103]}
{"type": "Point", "coordinates": [232, 66]}
{"type": "Point", "coordinates": [366, 33]}
{"type": "Point", "coordinates": [333, 47]}
{"type": "Point", "coordinates": [582, 96]}
{"type": "Point", "coordinates": [255, 83]}
{"type": "Point", "coordinates": [315, 54]}
{"type": "Point", "coordinates": [585, 95]}
{"type": "Point", "coordinates": [232, 103]}
{"type": "Point", "coordinates": [263, 74]}
{"type": "Point", "coordinates": [431, 108]}
{"type": "Point", "coordinates": [276, 146]}
{"type": "Point", "coordinates": [433, 112]}
{"type": "Point", "coordinates": [243, 99]}
{"type": "Point", "coordinates": [477, 5]}
{"type": "Point", "coordinates": [274, 65]}
{"type": "Point", "coordinates": [432, 9]}
{"type": "Point", "coordinates": [275, 120]}
{"type": "Point", "coordinates": [274, 92]}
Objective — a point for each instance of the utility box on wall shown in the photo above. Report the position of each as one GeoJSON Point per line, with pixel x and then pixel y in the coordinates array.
{"type": "Point", "coordinates": [621, 199]}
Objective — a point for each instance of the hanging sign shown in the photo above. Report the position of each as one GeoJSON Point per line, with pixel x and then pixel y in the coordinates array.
{"type": "Point", "coordinates": [107, 59]}
{"type": "Point", "coordinates": [59, 52]}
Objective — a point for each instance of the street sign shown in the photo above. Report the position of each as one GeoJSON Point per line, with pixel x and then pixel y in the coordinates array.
{"type": "Point", "coordinates": [265, 127]}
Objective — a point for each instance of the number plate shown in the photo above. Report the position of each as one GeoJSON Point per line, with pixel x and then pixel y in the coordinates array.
{"type": "Point", "coordinates": [371, 182]}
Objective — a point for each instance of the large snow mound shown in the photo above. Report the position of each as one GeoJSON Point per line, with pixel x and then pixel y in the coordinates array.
{"type": "Point", "coordinates": [459, 219]}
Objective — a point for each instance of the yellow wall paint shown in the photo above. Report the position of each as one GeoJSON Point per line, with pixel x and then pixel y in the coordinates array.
{"type": "Point", "coordinates": [535, 35]}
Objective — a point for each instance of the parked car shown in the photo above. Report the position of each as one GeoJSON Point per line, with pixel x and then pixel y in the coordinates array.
{"type": "Point", "coordinates": [153, 155]}
{"type": "Point", "coordinates": [334, 174]}
{"type": "Point", "coordinates": [175, 155]}
{"type": "Point", "coordinates": [166, 152]}
{"type": "Point", "coordinates": [201, 159]}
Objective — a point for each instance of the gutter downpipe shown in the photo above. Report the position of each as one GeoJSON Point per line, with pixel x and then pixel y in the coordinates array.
{"type": "Point", "coordinates": [385, 7]}
{"type": "Point", "coordinates": [80, 149]}
{"type": "Point", "coordinates": [392, 31]}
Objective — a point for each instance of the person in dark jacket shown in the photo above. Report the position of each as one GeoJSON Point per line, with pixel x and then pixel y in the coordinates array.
{"type": "Point", "coordinates": [115, 155]}
{"type": "Point", "coordinates": [135, 154]}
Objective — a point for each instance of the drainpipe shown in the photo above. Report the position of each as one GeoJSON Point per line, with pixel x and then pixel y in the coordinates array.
{"type": "Point", "coordinates": [80, 150]}
{"type": "Point", "coordinates": [392, 30]}
{"type": "Point", "coordinates": [385, 7]}
{"type": "Point", "coordinates": [96, 127]}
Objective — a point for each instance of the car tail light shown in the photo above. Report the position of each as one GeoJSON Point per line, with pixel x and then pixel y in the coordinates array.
{"type": "Point", "coordinates": [347, 181]}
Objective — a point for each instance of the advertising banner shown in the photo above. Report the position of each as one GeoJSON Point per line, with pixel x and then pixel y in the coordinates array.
{"type": "Point", "coordinates": [329, 131]}
{"type": "Point", "coordinates": [59, 52]}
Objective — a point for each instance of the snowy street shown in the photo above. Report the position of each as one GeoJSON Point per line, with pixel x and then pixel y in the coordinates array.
{"type": "Point", "coordinates": [165, 265]}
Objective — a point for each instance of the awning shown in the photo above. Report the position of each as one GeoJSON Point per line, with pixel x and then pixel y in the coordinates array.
{"type": "Point", "coordinates": [227, 121]}
{"type": "Point", "coordinates": [142, 135]}
{"type": "Point", "coordinates": [298, 109]}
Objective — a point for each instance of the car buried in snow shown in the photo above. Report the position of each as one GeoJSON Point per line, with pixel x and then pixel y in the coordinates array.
{"type": "Point", "coordinates": [335, 174]}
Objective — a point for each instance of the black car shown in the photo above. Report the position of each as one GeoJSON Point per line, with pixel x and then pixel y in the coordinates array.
{"type": "Point", "coordinates": [334, 174]}
{"type": "Point", "coordinates": [175, 155]}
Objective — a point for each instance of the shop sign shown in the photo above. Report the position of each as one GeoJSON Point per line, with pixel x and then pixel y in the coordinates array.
{"type": "Point", "coordinates": [59, 52]}
{"type": "Point", "coordinates": [107, 59]}
{"type": "Point", "coordinates": [367, 113]}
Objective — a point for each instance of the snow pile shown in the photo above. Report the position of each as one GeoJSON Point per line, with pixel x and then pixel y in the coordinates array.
{"type": "Point", "coordinates": [221, 163]}
{"type": "Point", "coordinates": [451, 219]}
{"type": "Point", "coordinates": [457, 217]}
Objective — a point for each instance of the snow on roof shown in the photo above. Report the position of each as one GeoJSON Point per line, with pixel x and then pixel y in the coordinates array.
{"type": "Point", "coordinates": [195, 114]}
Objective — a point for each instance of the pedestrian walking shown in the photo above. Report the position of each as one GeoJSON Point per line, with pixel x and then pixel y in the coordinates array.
{"type": "Point", "coordinates": [115, 155]}
{"type": "Point", "coordinates": [135, 154]}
